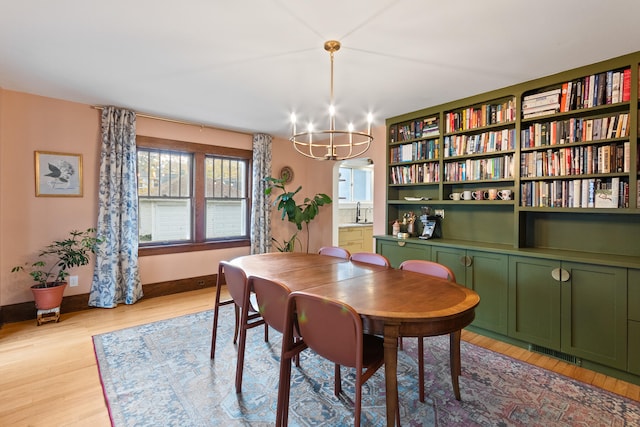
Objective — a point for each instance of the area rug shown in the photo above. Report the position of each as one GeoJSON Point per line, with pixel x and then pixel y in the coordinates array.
{"type": "Point", "coordinates": [160, 374]}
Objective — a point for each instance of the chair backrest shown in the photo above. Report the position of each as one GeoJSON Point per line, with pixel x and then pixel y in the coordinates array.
{"type": "Point", "coordinates": [329, 327]}
{"type": "Point", "coordinates": [272, 301]}
{"type": "Point", "coordinates": [236, 281]}
{"type": "Point", "coordinates": [371, 258]}
{"type": "Point", "coordinates": [335, 251]}
{"type": "Point", "coordinates": [429, 268]}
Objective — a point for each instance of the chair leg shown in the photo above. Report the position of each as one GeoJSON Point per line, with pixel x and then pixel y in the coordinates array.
{"type": "Point", "coordinates": [237, 327]}
{"type": "Point", "coordinates": [216, 308]}
{"type": "Point", "coordinates": [337, 386]}
{"type": "Point", "coordinates": [456, 366]}
{"type": "Point", "coordinates": [421, 367]}
{"type": "Point", "coordinates": [358, 400]}
{"type": "Point", "coordinates": [266, 332]}
{"type": "Point", "coordinates": [400, 345]}
{"type": "Point", "coordinates": [241, 349]}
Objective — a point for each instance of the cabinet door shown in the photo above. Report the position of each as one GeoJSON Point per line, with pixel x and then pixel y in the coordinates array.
{"type": "Point", "coordinates": [534, 301]}
{"type": "Point", "coordinates": [594, 313]}
{"type": "Point", "coordinates": [488, 276]}
{"type": "Point", "coordinates": [399, 251]}
{"type": "Point", "coordinates": [633, 331]}
{"type": "Point", "coordinates": [452, 258]}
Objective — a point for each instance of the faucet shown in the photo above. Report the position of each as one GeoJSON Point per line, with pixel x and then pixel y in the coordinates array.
{"type": "Point", "coordinates": [357, 212]}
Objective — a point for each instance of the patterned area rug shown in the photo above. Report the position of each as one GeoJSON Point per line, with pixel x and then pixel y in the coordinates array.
{"type": "Point", "coordinates": [160, 374]}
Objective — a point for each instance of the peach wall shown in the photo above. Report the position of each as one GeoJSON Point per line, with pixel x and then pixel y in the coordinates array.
{"type": "Point", "coordinates": [27, 222]}
{"type": "Point", "coordinates": [29, 123]}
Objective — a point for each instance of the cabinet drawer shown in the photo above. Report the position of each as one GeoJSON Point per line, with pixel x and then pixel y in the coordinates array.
{"type": "Point", "coordinates": [350, 234]}
{"type": "Point", "coordinates": [634, 295]}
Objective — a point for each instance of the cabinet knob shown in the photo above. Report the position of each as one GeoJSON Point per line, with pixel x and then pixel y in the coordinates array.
{"type": "Point", "coordinates": [466, 260]}
{"type": "Point", "coordinates": [560, 274]}
{"type": "Point", "coordinates": [402, 243]}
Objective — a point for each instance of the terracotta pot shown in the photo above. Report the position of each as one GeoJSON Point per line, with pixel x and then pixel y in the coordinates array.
{"type": "Point", "coordinates": [50, 297]}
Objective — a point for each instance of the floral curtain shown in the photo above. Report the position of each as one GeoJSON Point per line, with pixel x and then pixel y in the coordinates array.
{"type": "Point", "coordinates": [116, 278]}
{"type": "Point", "coordinates": [261, 208]}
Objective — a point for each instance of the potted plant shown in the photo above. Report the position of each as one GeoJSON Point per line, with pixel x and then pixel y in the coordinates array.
{"type": "Point", "coordinates": [296, 213]}
{"type": "Point", "coordinates": [50, 271]}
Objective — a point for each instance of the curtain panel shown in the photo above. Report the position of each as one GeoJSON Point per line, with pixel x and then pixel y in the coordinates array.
{"type": "Point", "coordinates": [261, 207]}
{"type": "Point", "coordinates": [116, 278]}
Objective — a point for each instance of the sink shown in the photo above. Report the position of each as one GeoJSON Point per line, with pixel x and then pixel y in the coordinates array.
{"type": "Point", "coordinates": [356, 224]}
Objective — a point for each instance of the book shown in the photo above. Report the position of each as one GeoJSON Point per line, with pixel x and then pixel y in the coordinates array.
{"type": "Point", "coordinates": [615, 88]}
{"type": "Point", "coordinates": [626, 85]}
{"type": "Point", "coordinates": [542, 94]}
{"type": "Point", "coordinates": [615, 192]}
{"type": "Point", "coordinates": [604, 198]}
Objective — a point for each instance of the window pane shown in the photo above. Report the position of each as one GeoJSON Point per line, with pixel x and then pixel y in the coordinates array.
{"type": "Point", "coordinates": [164, 220]}
{"type": "Point", "coordinates": [344, 184]}
{"type": "Point", "coordinates": [362, 185]}
{"type": "Point", "coordinates": [226, 218]}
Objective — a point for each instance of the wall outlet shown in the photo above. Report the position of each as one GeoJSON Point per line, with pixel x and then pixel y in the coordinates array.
{"type": "Point", "coordinates": [440, 213]}
{"type": "Point", "coordinates": [73, 281]}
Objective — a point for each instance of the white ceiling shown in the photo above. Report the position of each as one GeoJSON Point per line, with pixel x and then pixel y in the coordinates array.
{"type": "Point", "coordinates": [246, 65]}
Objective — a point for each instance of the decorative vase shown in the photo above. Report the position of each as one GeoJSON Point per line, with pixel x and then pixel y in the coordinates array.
{"type": "Point", "coordinates": [49, 297]}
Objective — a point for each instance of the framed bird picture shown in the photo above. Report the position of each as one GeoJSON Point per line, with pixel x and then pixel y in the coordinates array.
{"type": "Point", "coordinates": [58, 174]}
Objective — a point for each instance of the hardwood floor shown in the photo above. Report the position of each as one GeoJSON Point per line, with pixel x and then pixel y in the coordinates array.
{"type": "Point", "coordinates": [49, 376]}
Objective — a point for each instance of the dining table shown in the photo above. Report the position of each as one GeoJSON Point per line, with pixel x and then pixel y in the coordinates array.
{"type": "Point", "coordinates": [392, 303]}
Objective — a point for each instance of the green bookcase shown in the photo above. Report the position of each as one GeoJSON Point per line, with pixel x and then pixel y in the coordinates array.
{"type": "Point", "coordinates": [567, 148]}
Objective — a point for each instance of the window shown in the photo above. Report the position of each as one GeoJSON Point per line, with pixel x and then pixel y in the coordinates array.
{"type": "Point", "coordinates": [191, 196]}
{"type": "Point", "coordinates": [356, 184]}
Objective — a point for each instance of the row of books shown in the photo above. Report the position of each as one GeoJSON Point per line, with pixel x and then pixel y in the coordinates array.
{"type": "Point", "coordinates": [486, 142]}
{"type": "Point", "coordinates": [480, 169]}
{"type": "Point", "coordinates": [580, 160]}
{"type": "Point", "coordinates": [484, 115]}
{"type": "Point", "coordinates": [427, 149]}
{"type": "Point", "coordinates": [610, 87]}
{"type": "Point", "coordinates": [576, 193]}
{"type": "Point", "coordinates": [412, 174]}
{"type": "Point", "coordinates": [421, 128]}
{"type": "Point", "coordinates": [540, 104]}
{"type": "Point", "coordinates": [575, 130]}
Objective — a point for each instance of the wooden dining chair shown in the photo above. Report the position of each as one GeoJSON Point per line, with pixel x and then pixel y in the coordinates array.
{"type": "Point", "coordinates": [335, 251]}
{"type": "Point", "coordinates": [431, 268]}
{"type": "Point", "coordinates": [334, 331]}
{"type": "Point", "coordinates": [246, 313]}
{"type": "Point", "coordinates": [370, 258]}
{"type": "Point", "coordinates": [272, 297]}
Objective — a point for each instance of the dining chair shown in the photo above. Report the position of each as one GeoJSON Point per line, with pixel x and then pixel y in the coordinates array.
{"type": "Point", "coordinates": [334, 331]}
{"type": "Point", "coordinates": [335, 251]}
{"type": "Point", "coordinates": [370, 258]}
{"type": "Point", "coordinates": [271, 297]}
{"type": "Point", "coordinates": [246, 312]}
{"type": "Point", "coordinates": [434, 269]}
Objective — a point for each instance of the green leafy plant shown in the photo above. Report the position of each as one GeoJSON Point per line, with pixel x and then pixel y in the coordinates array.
{"type": "Point", "coordinates": [292, 211]}
{"type": "Point", "coordinates": [59, 256]}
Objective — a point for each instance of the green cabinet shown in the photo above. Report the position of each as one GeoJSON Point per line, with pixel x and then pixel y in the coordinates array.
{"type": "Point", "coordinates": [578, 309]}
{"type": "Point", "coordinates": [398, 251]}
{"type": "Point", "coordinates": [487, 274]}
{"type": "Point", "coordinates": [633, 296]}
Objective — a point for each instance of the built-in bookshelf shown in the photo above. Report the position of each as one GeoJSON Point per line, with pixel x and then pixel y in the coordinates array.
{"type": "Point", "coordinates": [535, 189]}
{"type": "Point", "coordinates": [574, 143]}
{"type": "Point", "coordinates": [566, 146]}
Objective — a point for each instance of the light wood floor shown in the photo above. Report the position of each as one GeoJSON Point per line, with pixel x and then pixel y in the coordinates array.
{"type": "Point", "coordinates": [49, 376]}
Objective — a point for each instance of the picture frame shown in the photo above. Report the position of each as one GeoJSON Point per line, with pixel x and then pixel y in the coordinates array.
{"type": "Point", "coordinates": [58, 174]}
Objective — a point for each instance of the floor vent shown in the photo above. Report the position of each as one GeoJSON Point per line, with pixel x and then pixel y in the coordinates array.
{"type": "Point", "coordinates": [557, 354]}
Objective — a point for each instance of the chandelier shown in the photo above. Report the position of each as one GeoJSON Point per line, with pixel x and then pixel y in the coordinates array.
{"type": "Point", "coordinates": [332, 143]}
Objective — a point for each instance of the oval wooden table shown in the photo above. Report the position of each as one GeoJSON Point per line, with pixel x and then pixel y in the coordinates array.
{"type": "Point", "coordinates": [391, 302]}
